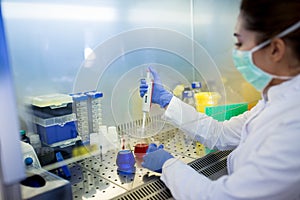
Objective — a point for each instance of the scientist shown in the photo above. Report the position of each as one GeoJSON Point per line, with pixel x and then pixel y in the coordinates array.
{"type": "Point", "coordinates": [265, 162]}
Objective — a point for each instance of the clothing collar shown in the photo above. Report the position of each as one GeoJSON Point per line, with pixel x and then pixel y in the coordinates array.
{"type": "Point", "coordinates": [283, 90]}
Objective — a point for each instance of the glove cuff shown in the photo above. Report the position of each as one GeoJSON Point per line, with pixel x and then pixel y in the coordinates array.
{"type": "Point", "coordinates": [165, 99]}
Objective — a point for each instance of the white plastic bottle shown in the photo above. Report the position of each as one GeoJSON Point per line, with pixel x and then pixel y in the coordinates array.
{"type": "Point", "coordinates": [196, 86]}
{"type": "Point", "coordinates": [188, 97]}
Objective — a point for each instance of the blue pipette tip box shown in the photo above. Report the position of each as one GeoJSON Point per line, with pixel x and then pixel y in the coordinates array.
{"type": "Point", "coordinates": [56, 129]}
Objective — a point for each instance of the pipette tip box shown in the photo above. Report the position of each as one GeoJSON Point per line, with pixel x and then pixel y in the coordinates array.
{"type": "Point", "coordinates": [225, 112]}
{"type": "Point", "coordinates": [53, 117]}
{"type": "Point", "coordinates": [56, 129]}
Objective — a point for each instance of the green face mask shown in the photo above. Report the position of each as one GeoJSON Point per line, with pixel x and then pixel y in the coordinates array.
{"type": "Point", "coordinates": [243, 61]}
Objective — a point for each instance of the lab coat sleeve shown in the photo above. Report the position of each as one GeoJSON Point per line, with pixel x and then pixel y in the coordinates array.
{"type": "Point", "coordinates": [213, 134]}
{"type": "Point", "coordinates": [271, 172]}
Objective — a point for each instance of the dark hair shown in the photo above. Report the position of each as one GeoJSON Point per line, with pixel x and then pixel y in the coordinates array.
{"type": "Point", "coordinates": [270, 17]}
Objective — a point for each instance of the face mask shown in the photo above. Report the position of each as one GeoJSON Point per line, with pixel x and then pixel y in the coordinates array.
{"type": "Point", "coordinates": [254, 75]}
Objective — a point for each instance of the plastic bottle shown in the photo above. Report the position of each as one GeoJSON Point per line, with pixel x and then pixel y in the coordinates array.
{"type": "Point", "coordinates": [35, 141]}
{"type": "Point", "coordinates": [188, 97]}
{"type": "Point", "coordinates": [196, 86]}
{"type": "Point", "coordinates": [178, 90]}
{"type": "Point", "coordinates": [24, 137]}
{"type": "Point", "coordinates": [113, 137]}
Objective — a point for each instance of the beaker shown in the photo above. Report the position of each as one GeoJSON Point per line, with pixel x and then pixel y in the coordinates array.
{"type": "Point", "coordinates": [141, 147]}
{"type": "Point", "coordinates": [125, 161]}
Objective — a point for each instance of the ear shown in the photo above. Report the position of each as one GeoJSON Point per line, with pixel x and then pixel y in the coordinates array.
{"type": "Point", "coordinates": [277, 49]}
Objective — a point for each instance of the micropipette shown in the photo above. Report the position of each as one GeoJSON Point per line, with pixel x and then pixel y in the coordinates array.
{"type": "Point", "coordinates": [146, 101]}
{"type": "Point", "coordinates": [142, 146]}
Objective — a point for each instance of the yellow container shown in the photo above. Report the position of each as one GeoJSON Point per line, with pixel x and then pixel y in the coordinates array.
{"type": "Point", "coordinates": [203, 99]}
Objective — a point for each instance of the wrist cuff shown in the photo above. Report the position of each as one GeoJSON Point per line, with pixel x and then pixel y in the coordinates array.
{"type": "Point", "coordinates": [165, 99]}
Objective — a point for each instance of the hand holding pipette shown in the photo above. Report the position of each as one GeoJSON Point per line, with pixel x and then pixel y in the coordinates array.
{"type": "Point", "coordinates": [159, 95]}
{"type": "Point", "coordinates": [141, 146]}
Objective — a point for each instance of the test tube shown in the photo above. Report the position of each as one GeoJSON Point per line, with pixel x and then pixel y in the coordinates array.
{"type": "Point", "coordinates": [80, 108]}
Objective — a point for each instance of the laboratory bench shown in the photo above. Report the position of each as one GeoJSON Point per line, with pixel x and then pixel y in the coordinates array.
{"type": "Point", "coordinates": [87, 158]}
{"type": "Point", "coordinates": [96, 176]}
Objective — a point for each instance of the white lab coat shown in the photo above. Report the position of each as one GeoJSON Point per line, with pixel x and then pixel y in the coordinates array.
{"type": "Point", "coordinates": [266, 161]}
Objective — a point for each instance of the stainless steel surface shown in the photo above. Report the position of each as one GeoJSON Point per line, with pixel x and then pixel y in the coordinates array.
{"type": "Point", "coordinates": [52, 188]}
{"type": "Point", "coordinates": [213, 166]}
{"type": "Point", "coordinates": [97, 177]}
{"type": "Point", "coordinates": [89, 185]}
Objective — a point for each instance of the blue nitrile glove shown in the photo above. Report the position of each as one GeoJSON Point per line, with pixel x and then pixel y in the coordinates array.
{"type": "Point", "coordinates": [159, 94]}
{"type": "Point", "coordinates": [153, 147]}
{"type": "Point", "coordinates": [154, 160]}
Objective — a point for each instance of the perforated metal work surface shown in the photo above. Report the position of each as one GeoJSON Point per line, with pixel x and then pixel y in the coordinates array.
{"type": "Point", "coordinates": [97, 177]}
{"type": "Point", "coordinates": [212, 166]}
{"type": "Point", "coordinates": [89, 185]}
